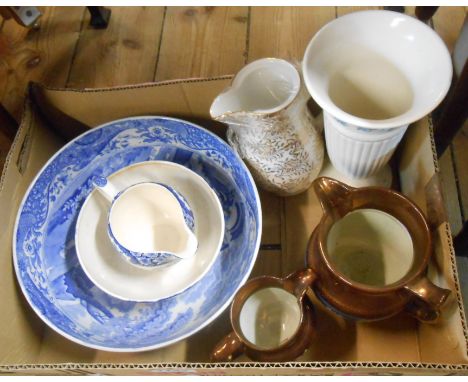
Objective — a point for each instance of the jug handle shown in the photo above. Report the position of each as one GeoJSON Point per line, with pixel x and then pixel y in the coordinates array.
{"type": "Point", "coordinates": [333, 195]}
{"type": "Point", "coordinates": [301, 281]}
{"type": "Point", "coordinates": [227, 349]}
{"type": "Point", "coordinates": [427, 300]}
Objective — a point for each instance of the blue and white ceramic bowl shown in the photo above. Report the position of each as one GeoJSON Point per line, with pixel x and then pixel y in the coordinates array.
{"type": "Point", "coordinates": [45, 259]}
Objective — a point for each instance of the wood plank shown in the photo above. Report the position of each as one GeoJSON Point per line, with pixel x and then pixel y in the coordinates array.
{"type": "Point", "coordinates": [124, 53]}
{"type": "Point", "coordinates": [410, 10]}
{"type": "Point", "coordinates": [202, 42]}
{"type": "Point", "coordinates": [340, 11]}
{"type": "Point", "coordinates": [284, 32]}
{"type": "Point", "coordinates": [44, 54]}
{"type": "Point", "coordinates": [448, 22]}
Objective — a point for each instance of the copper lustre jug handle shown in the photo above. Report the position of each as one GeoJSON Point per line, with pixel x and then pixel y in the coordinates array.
{"type": "Point", "coordinates": [300, 281]}
{"type": "Point", "coordinates": [230, 347]}
{"type": "Point", "coordinates": [334, 196]}
{"type": "Point", "coordinates": [427, 300]}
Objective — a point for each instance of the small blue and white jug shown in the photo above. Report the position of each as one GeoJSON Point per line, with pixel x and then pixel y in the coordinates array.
{"type": "Point", "coordinates": [150, 224]}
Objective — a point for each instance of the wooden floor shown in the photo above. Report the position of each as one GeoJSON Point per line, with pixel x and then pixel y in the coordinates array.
{"type": "Point", "coordinates": [144, 44]}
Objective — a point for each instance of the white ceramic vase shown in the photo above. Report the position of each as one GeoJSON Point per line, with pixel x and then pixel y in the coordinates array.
{"type": "Point", "coordinates": [373, 73]}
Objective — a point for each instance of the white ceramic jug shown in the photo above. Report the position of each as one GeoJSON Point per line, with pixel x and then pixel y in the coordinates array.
{"type": "Point", "coordinates": [271, 127]}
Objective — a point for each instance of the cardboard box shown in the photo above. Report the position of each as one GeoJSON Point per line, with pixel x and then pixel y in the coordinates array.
{"type": "Point", "coordinates": [395, 346]}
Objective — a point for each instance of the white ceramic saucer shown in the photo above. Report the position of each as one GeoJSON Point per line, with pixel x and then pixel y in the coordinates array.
{"type": "Point", "coordinates": [112, 273]}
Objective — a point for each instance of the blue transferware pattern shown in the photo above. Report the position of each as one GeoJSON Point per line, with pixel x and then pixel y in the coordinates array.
{"type": "Point", "coordinates": [184, 205]}
{"type": "Point", "coordinates": [153, 259]}
{"type": "Point", "coordinates": [144, 259]}
{"type": "Point", "coordinates": [44, 251]}
{"type": "Point", "coordinates": [366, 130]}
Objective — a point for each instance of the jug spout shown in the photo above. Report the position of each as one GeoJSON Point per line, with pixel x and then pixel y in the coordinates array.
{"type": "Point", "coordinates": [263, 87]}
{"type": "Point", "coordinates": [334, 196]}
{"type": "Point", "coordinates": [226, 105]}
